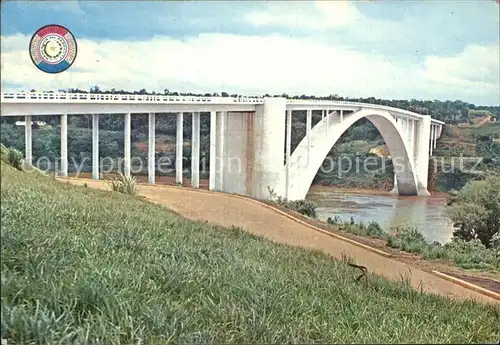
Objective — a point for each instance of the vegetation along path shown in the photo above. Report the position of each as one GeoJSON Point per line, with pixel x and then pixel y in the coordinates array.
{"type": "Point", "coordinates": [229, 210]}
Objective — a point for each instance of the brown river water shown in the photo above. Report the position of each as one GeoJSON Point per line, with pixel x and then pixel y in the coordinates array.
{"type": "Point", "coordinates": [428, 214]}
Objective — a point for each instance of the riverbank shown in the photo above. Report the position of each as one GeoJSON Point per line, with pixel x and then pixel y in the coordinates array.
{"type": "Point", "coordinates": [315, 188]}
{"type": "Point", "coordinates": [488, 279]}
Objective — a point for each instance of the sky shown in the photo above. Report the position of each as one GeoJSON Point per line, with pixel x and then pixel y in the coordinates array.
{"type": "Point", "coordinates": [444, 50]}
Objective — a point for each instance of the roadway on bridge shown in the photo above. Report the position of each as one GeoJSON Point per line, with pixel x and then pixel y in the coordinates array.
{"type": "Point", "coordinates": [228, 210]}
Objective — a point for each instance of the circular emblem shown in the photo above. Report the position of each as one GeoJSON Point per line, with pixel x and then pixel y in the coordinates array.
{"type": "Point", "coordinates": [53, 48]}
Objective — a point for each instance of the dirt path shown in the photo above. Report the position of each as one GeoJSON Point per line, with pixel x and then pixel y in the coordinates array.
{"type": "Point", "coordinates": [228, 210]}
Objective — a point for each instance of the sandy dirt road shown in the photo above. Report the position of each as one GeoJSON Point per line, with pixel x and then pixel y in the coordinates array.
{"type": "Point", "coordinates": [228, 210]}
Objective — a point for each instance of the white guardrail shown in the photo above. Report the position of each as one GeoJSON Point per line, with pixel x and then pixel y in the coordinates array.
{"type": "Point", "coordinates": [65, 97]}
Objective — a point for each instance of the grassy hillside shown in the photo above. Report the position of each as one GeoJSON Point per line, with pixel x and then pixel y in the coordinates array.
{"type": "Point", "coordinates": [87, 266]}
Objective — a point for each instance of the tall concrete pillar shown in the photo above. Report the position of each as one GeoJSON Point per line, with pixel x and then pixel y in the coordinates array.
{"type": "Point", "coordinates": [288, 150]}
{"type": "Point", "coordinates": [28, 140]}
{"type": "Point", "coordinates": [238, 153]}
{"type": "Point", "coordinates": [64, 145]}
{"type": "Point", "coordinates": [436, 133]}
{"type": "Point", "coordinates": [410, 138]}
{"type": "Point", "coordinates": [95, 146]}
{"type": "Point", "coordinates": [195, 151]}
{"type": "Point", "coordinates": [395, 190]}
{"type": "Point", "coordinates": [126, 144]}
{"type": "Point", "coordinates": [308, 133]}
{"type": "Point", "coordinates": [151, 148]}
{"type": "Point", "coordinates": [327, 124]}
{"type": "Point", "coordinates": [422, 154]}
{"type": "Point", "coordinates": [269, 142]}
{"type": "Point", "coordinates": [213, 151]}
{"type": "Point", "coordinates": [220, 134]}
{"type": "Point", "coordinates": [179, 146]}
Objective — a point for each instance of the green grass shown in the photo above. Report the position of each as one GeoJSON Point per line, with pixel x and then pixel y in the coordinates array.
{"type": "Point", "coordinates": [83, 266]}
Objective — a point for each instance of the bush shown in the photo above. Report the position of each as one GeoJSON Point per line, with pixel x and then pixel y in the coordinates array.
{"type": "Point", "coordinates": [408, 239]}
{"type": "Point", "coordinates": [475, 210]}
{"type": "Point", "coordinates": [307, 208]}
{"type": "Point", "coordinates": [124, 184]}
{"type": "Point", "coordinates": [16, 158]}
{"type": "Point", "coordinates": [373, 229]}
{"type": "Point", "coordinates": [304, 207]}
{"type": "Point", "coordinates": [13, 157]}
{"type": "Point", "coordinates": [466, 254]}
{"type": "Point", "coordinates": [471, 254]}
{"type": "Point", "coordinates": [333, 221]}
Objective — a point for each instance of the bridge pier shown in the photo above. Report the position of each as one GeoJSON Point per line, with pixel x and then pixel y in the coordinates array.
{"type": "Point", "coordinates": [308, 134]}
{"type": "Point", "coordinates": [269, 145]}
{"type": "Point", "coordinates": [288, 152]}
{"type": "Point", "coordinates": [195, 151]}
{"type": "Point", "coordinates": [126, 144]}
{"type": "Point", "coordinates": [179, 148]}
{"type": "Point", "coordinates": [213, 151]}
{"type": "Point", "coordinates": [95, 146]}
{"type": "Point", "coordinates": [423, 154]}
{"type": "Point", "coordinates": [151, 148]}
{"type": "Point", "coordinates": [234, 155]}
{"type": "Point", "coordinates": [64, 145]}
{"type": "Point", "coordinates": [220, 120]}
{"type": "Point", "coordinates": [28, 155]}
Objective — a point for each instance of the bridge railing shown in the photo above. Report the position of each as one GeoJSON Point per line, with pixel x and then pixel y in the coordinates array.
{"type": "Point", "coordinates": [92, 97]}
{"type": "Point", "coordinates": [66, 97]}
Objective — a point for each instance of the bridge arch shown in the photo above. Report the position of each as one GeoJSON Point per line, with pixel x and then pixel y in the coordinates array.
{"type": "Point", "coordinates": [302, 169]}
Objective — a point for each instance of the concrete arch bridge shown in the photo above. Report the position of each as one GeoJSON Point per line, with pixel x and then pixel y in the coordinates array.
{"type": "Point", "coordinates": [247, 137]}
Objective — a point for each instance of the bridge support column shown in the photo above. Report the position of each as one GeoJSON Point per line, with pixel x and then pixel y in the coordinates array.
{"type": "Point", "coordinates": [269, 142]}
{"type": "Point", "coordinates": [28, 155]}
{"type": "Point", "coordinates": [179, 146]}
{"type": "Point", "coordinates": [220, 120]}
{"type": "Point", "coordinates": [64, 145]}
{"type": "Point", "coordinates": [151, 148]}
{"type": "Point", "coordinates": [288, 152]}
{"type": "Point", "coordinates": [126, 144]}
{"type": "Point", "coordinates": [235, 160]}
{"type": "Point", "coordinates": [308, 134]}
{"type": "Point", "coordinates": [327, 123]}
{"type": "Point", "coordinates": [213, 151]}
{"type": "Point", "coordinates": [95, 146]}
{"type": "Point", "coordinates": [195, 151]}
{"type": "Point", "coordinates": [422, 154]}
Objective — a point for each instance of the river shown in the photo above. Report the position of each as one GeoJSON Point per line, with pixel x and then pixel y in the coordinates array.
{"type": "Point", "coordinates": [428, 214]}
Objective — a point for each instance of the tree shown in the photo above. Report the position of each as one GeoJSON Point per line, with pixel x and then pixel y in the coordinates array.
{"type": "Point", "coordinates": [475, 210]}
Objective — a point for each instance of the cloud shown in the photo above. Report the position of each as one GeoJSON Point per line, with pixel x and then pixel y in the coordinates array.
{"type": "Point", "coordinates": [256, 65]}
{"type": "Point", "coordinates": [320, 15]}
{"type": "Point", "coordinates": [476, 70]}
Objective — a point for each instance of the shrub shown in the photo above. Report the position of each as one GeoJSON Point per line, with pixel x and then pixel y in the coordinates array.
{"type": "Point", "coordinates": [304, 207]}
{"type": "Point", "coordinates": [15, 158]}
{"type": "Point", "coordinates": [124, 184]}
{"type": "Point", "coordinates": [375, 230]}
{"type": "Point", "coordinates": [408, 239]}
{"type": "Point", "coordinates": [4, 153]}
{"type": "Point", "coordinates": [333, 221]}
{"type": "Point", "coordinates": [471, 254]}
{"type": "Point", "coordinates": [475, 210]}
